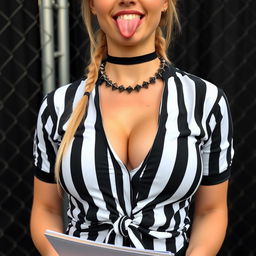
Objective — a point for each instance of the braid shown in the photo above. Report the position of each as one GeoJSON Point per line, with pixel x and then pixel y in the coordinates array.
{"type": "Point", "coordinates": [160, 44]}
{"type": "Point", "coordinates": [97, 54]}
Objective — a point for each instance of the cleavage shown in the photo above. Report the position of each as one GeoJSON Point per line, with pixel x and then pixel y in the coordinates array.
{"type": "Point", "coordinates": [130, 122]}
{"type": "Point", "coordinates": [133, 143]}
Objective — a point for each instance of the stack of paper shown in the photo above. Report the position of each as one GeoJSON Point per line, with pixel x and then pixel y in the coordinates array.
{"type": "Point", "coordinates": [72, 246]}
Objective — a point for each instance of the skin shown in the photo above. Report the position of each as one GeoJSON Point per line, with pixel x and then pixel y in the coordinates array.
{"type": "Point", "coordinates": [131, 139]}
{"type": "Point", "coordinates": [130, 123]}
{"type": "Point", "coordinates": [142, 42]}
{"type": "Point", "coordinates": [46, 214]}
{"type": "Point", "coordinates": [210, 220]}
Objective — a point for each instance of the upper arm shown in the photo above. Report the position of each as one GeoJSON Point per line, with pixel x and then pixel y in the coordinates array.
{"type": "Point", "coordinates": [47, 196]}
{"type": "Point", "coordinates": [209, 198]}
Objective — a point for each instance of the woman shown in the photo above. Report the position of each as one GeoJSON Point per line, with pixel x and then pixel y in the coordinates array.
{"type": "Point", "coordinates": [134, 141]}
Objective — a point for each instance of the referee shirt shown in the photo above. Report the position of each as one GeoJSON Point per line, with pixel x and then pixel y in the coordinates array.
{"type": "Point", "coordinates": [147, 207]}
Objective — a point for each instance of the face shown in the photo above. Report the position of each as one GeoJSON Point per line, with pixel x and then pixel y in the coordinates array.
{"type": "Point", "coordinates": [129, 22]}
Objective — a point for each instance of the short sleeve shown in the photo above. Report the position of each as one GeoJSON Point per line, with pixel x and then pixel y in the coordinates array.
{"type": "Point", "coordinates": [217, 151]}
{"type": "Point", "coordinates": [44, 148]}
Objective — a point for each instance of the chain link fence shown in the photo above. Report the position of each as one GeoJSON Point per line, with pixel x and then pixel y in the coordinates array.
{"type": "Point", "coordinates": [218, 43]}
{"type": "Point", "coordinates": [20, 96]}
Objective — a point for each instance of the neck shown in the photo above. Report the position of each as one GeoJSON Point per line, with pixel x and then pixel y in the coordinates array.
{"type": "Point", "coordinates": [140, 72]}
{"type": "Point", "coordinates": [130, 48]}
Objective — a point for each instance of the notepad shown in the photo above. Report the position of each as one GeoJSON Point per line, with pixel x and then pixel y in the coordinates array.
{"type": "Point", "coordinates": [72, 246]}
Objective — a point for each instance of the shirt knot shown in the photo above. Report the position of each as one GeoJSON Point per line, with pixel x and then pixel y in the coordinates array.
{"type": "Point", "coordinates": [121, 225]}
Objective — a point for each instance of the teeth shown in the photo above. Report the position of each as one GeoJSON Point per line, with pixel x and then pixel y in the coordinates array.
{"type": "Point", "coordinates": [128, 16]}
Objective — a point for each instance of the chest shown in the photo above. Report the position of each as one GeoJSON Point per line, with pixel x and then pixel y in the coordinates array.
{"type": "Point", "coordinates": [155, 140]}
{"type": "Point", "coordinates": [130, 122]}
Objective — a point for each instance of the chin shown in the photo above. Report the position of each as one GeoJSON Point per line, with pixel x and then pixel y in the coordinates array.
{"type": "Point", "coordinates": [123, 42]}
{"type": "Point", "coordinates": [135, 40]}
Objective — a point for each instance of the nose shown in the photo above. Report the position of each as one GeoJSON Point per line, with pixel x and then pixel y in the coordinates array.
{"type": "Point", "coordinates": [126, 3]}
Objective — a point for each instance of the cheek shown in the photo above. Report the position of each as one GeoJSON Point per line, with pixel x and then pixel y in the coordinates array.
{"type": "Point", "coordinates": [101, 7]}
{"type": "Point", "coordinates": [102, 10]}
{"type": "Point", "coordinates": [155, 19]}
{"type": "Point", "coordinates": [154, 5]}
{"type": "Point", "coordinates": [103, 25]}
{"type": "Point", "coordinates": [154, 8]}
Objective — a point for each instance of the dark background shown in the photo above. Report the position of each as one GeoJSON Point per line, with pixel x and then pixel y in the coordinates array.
{"type": "Point", "coordinates": [218, 43]}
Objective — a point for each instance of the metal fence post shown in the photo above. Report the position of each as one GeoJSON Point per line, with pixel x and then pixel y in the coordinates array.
{"type": "Point", "coordinates": [49, 54]}
{"type": "Point", "coordinates": [47, 43]}
{"type": "Point", "coordinates": [63, 41]}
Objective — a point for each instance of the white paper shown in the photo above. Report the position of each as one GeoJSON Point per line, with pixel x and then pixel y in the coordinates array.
{"type": "Point", "coordinates": [72, 246]}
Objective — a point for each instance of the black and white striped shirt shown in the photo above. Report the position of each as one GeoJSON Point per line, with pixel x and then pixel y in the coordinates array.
{"type": "Point", "coordinates": [148, 206]}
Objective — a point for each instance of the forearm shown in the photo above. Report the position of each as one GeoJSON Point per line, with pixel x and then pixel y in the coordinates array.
{"type": "Point", "coordinates": [42, 219]}
{"type": "Point", "coordinates": [208, 233]}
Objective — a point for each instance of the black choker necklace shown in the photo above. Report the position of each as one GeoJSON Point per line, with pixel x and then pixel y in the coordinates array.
{"type": "Point", "coordinates": [138, 87]}
{"type": "Point", "coordinates": [131, 60]}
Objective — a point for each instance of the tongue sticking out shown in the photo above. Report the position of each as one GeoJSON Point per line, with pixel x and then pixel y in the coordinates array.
{"type": "Point", "coordinates": [127, 27]}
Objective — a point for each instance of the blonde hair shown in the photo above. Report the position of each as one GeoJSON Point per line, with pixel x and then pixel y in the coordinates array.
{"type": "Point", "coordinates": [98, 51]}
